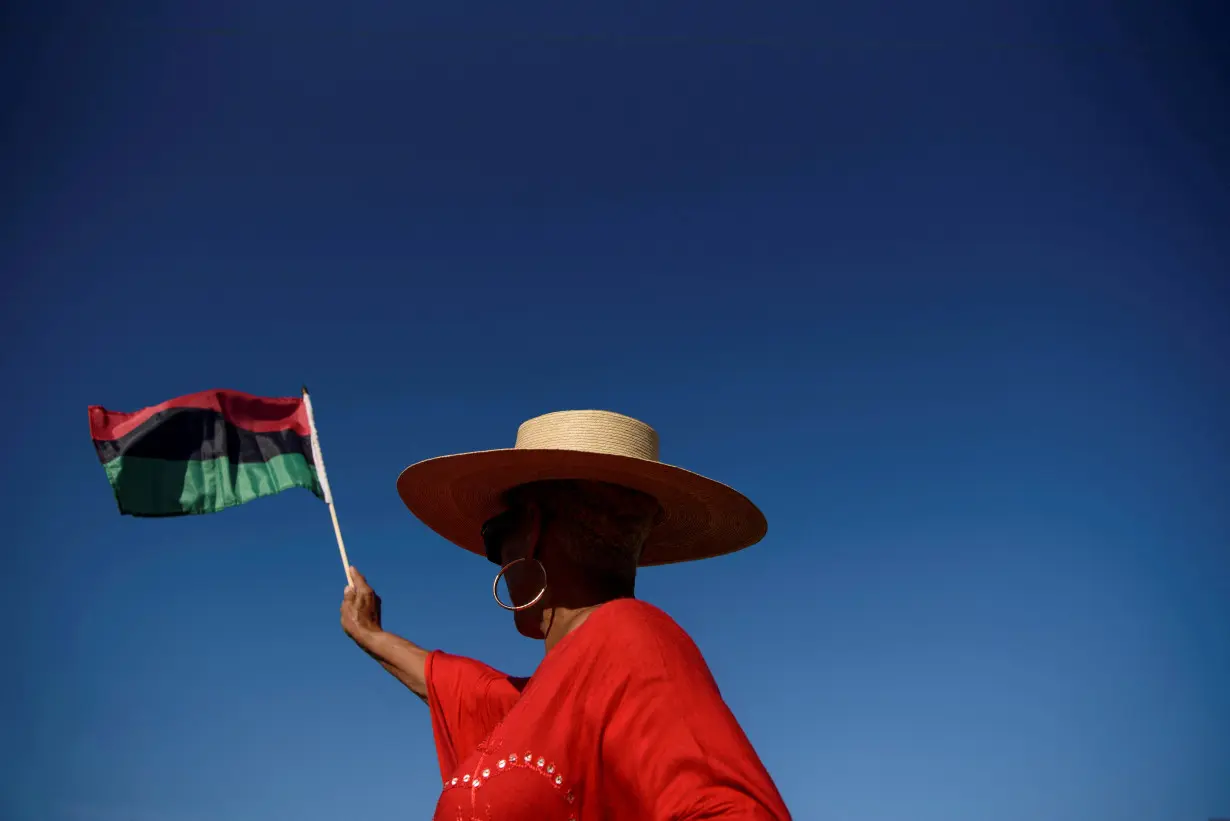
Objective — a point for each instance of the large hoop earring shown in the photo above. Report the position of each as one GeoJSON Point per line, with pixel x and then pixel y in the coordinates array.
{"type": "Point", "coordinates": [495, 586]}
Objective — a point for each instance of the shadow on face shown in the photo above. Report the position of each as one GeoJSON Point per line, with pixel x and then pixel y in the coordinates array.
{"type": "Point", "coordinates": [516, 536]}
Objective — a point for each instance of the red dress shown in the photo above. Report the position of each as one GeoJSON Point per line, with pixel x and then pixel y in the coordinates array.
{"type": "Point", "coordinates": [622, 721]}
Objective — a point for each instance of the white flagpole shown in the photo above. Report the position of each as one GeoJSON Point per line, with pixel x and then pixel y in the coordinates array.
{"type": "Point", "coordinates": [324, 483]}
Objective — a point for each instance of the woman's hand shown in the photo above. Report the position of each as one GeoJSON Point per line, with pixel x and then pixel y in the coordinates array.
{"type": "Point", "coordinates": [360, 609]}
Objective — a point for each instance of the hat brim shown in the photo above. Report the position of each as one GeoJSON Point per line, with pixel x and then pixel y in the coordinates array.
{"type": "Point", "coordinates": [455, 495]}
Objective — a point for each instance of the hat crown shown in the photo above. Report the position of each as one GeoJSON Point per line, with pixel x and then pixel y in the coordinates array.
{"type": "Point", "coordinates": [592, 431]}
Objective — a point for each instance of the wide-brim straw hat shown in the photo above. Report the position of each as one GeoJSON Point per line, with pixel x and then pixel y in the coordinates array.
{"type": "Point", "coordinates": [701, 518]}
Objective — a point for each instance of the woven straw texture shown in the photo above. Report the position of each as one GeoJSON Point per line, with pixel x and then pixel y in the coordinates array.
{"type": "Point", "coordinates": [454, 495]}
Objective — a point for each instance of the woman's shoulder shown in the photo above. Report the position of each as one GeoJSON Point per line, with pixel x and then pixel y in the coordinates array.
{"type": "Point", "coordinates": [635, 613]}
{"type": "Point", "coordinates": [638, 631]}
{"type": "Point", "coordinates": [446, 671]}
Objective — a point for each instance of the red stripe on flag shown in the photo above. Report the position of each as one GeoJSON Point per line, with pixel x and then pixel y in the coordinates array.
{"type": "Point", "coordinates": [259, 414]}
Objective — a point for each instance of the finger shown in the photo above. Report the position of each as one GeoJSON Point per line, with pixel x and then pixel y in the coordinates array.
{"type": "Point", "coordinates": [357, 579]}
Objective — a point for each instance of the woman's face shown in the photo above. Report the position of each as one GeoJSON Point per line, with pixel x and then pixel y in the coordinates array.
{"type": "Point", "coordinates": [512, 536]}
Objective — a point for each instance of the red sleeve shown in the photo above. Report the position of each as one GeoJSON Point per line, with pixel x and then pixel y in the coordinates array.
{"type": "Point", "coordinates": [467, 699]}
{"type": "Point", "coordinates": [671, 742]}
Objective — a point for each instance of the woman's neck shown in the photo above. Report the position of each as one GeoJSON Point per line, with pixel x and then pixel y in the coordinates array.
{"type": "Point", "coordinates": [575, 596]}
{"type": "Point", "coordinates": [561, 621]}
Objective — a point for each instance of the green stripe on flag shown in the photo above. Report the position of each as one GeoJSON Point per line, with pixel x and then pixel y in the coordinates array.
{"type": "Point", "coordinates": [146, 486]}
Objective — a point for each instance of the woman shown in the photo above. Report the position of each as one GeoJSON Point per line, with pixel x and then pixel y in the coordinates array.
{"type": "Point", "coordinates": [622, 719]}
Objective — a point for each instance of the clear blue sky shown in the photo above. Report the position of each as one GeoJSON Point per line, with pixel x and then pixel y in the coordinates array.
{"type": "Point", "coordinates": [942, 286]}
